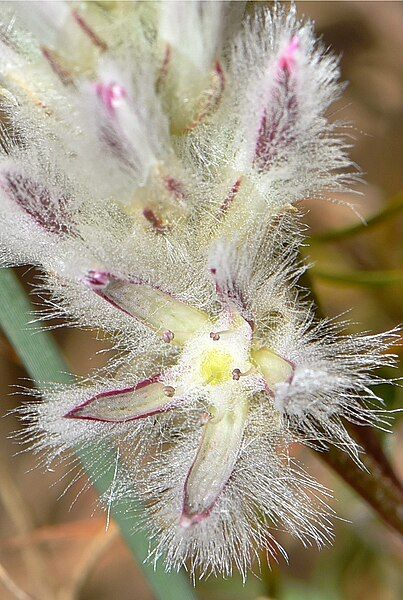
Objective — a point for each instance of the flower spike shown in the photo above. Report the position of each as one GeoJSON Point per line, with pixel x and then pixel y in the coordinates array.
{"type": "Point", "coordinates": [152, 156]}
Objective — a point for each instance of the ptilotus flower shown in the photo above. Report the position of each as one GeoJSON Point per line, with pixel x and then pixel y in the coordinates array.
{"type": "Point", "coordinates": [152, 154]}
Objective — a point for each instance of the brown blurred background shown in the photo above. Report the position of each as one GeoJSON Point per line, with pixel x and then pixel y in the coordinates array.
{"type": "Point", "coordinates": [55, 551]}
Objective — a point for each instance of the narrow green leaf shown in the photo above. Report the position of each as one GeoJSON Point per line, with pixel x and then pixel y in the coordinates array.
{"type": "Point", "coordinates": [44, 363]}
{"type": "Point", "coordinates": [393, 208]}
{"type": "Point", "coordinates": [361, 278]}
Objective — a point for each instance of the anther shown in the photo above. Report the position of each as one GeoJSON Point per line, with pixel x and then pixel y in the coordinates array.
{"type": "Point", "coordinates": [205, 418]}
{"type": "Point", "coordinates": [216, 335]}
{"type": "Point", "coordinates": [168, 336]}
{"type": "Point", "coordinates": [236, 374]}
{"type": "Point", "coordinates": [169, 391]}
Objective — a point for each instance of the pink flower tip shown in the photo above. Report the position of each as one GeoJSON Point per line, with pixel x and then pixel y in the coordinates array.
{"type": "Point", "coordinates": [112, 95]}
{"type": "Point", "coordinates": [287, 59]}
{"type": "Point", "coordinates": [96, 280]}
{"type": "Point", "coordinates": [187, 520]}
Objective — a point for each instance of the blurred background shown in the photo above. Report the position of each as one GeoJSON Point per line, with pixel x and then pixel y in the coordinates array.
{"type": "Point", "coordinates": [54, 550]}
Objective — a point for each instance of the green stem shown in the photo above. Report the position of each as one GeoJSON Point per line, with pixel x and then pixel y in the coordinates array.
{"type": "Point", "coordinates": [44, 363]}
{"type": "Point", "coordinates": [394, 207]}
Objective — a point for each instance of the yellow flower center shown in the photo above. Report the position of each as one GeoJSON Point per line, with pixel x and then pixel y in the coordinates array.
{"type": "Point", "coordinates": [216, 367]}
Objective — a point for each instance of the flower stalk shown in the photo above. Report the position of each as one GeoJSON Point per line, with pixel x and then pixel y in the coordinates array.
{"type": "Point", "coordinates": [377, 483]}
{"type": "Point", "coordinates": [377, 486]}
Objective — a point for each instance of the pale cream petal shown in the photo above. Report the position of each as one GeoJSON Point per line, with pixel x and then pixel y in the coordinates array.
{"type": "Point", "coordinates": [174, 320]}
{"type": "Point", "coordinates": [273, 367]}
{"type": "Point", "coordinates": [148, 398]}
{"type": "Point", "coordinates": [214, 463]}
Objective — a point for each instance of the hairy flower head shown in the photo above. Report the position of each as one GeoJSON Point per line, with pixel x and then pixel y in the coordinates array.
{"type": "Point", "coordinates": [152, 155]}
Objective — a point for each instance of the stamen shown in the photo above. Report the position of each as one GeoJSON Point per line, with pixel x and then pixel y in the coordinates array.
{"type": "Point", "coordinates": [236, 374]}
{"type": "Point", "coordinates": [168, 336]}
{"type": "Point", "coordinates": [169, 391]}
{"type": "Point", "coordinates": [205, 418]}
{"type": "Point", "coordinates": [216, 335]}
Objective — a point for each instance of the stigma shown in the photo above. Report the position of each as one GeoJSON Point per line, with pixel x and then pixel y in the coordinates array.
{"type": "Point", "coordinates": [216, 367]}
